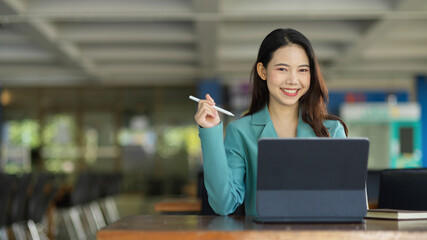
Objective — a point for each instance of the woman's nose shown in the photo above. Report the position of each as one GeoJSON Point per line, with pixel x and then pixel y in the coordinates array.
{"type": "Point", "coordinates": [292, 79]}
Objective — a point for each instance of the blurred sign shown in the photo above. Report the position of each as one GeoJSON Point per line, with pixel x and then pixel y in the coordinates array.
{"type": "Point", "coordinates": [393, 130]}
{"type": "Point", "coordinates": [371, 112]}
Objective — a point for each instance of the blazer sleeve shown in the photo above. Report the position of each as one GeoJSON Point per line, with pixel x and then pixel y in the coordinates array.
{"type": "Point", "coordinates": [224, 168]}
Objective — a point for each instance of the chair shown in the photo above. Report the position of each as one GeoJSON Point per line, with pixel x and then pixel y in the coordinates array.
{"type": "Point", "coordinates": [91, 206]}
{"type": "Point", "coordinates": [373, 187]}
{"type": "Point", "coordinates": [42, 196]}
{"type": "Point", "coordinates": [203, 195]}
{"type": "Point", "coordinates": [111, 185]}
{"type": "Point", "coordinates": [403, 189]}
{"type": "Point", "coordinates": [81, 212]}
{"type": "Point", "coordinates": [6, 185]}
{"type": "Point", "coordinates": [18, 208]}
{"type": "Point", "coordinates": [71, 208]}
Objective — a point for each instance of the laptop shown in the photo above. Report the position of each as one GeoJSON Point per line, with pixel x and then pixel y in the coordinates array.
{"type": "Point", "coordinates": [312, 180]}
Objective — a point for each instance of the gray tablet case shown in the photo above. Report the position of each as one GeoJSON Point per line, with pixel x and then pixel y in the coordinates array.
{"type": "Point", "coordinates": [312, 180]}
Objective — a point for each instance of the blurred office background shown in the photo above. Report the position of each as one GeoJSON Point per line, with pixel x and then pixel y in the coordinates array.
{"type": "Point", "coordinates": [102, 86]}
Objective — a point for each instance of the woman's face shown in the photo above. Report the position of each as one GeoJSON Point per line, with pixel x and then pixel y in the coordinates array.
{"type": "Point", "coordinates": [287, 75]}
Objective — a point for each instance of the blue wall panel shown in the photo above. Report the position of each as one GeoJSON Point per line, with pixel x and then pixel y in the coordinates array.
{"type": "Point", "coordinates": [422, 100]}
{"type": "Point", "coordinates": [213, 87]}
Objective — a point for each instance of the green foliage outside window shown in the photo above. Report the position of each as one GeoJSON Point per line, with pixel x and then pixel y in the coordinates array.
{"type": "Point", "coordinates": [24, 133]}
{"type": "Point", "coordinates": [60, 150]}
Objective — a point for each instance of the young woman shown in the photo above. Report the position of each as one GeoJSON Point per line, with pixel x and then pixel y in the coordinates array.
{"type": "Point", "coordinates": [289, 98]}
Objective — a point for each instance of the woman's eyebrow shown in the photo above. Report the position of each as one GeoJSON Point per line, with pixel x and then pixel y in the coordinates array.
{"type": "Point", "coordinates": [287, 65]}
{"type": "Point", "coordinates": [282, 64]}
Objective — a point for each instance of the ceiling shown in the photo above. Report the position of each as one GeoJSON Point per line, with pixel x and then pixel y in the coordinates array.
{"type": "Point", "coordinates": [170, 42]}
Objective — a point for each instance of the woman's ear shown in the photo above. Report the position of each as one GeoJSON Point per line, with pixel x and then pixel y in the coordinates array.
{"type": "Point", "coordinates": [262, 73]}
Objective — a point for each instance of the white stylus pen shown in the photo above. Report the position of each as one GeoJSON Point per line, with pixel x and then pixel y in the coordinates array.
{"type": "Point", "coordinates": [215, 107]}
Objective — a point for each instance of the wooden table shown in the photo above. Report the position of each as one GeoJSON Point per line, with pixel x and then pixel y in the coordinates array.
{"type": "Point", "coordinates": [217, 227]}
{"type": "Point", "coordinates": [178, 205]}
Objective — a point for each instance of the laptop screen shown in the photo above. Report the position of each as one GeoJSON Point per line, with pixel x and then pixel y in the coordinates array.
{"type": "Point", "coordinates": [312, 164]}
{"type": "Point", "coordinates": [312, 179]}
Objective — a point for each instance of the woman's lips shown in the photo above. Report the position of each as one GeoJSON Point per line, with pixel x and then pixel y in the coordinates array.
{"type": "Point", "coordinates": [290, 92]}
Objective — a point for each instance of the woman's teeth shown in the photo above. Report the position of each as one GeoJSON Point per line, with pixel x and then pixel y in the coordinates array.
{"type": "Point", "coordinates": [290, 90]}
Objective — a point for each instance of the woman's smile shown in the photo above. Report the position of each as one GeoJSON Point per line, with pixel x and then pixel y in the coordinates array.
{"type": "Point", "coordinates": [291, 92]}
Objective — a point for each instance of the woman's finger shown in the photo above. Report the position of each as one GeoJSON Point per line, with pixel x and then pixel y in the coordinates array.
{"type": "Point", "coordinates": [210, 99]}
{"type": "Point", "coordinates": [202, 102]}
{"type": "Point", "coordinates": [205, 104]}
{"type": "Point", "coordinates": [206, 110]}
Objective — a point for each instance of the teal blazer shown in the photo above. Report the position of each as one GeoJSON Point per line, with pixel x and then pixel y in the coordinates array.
{"type": "Point", "coordinates": [230, 164]}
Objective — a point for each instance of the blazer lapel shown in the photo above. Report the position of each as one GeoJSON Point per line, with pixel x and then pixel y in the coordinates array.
{"type": "Point", "coordinates": [268, 131]}
{"type": "Point", "coordinates": [262, 118]}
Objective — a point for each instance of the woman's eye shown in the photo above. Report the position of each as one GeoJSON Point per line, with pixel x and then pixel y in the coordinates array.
{"type": "Point", "coordinates": [282, 69]}
{"type": "Point", "coordinates": [304, 70]}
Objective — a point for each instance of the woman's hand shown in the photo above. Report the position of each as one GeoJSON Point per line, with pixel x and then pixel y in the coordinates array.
{"type": "Point", "coordinates": [206, 115]}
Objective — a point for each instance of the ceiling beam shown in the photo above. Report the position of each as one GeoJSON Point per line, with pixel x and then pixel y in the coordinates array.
{"type": "Point", "coordinates": [375, 34]}
{"type": "Point", "coordinates": [171, 16]}
{"type": "Point", "coordinates": [46, 34]}
{"type": "Point", "coordinates": [206, 32]}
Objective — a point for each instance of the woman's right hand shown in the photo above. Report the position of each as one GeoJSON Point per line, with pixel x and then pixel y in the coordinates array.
{"type": "Point", "coordinates": [206, 115]}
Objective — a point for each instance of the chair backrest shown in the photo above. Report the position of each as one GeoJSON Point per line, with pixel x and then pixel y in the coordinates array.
{"type": "Point", "coordinates": [82, 189]}
{"type": "Point", "coordinates": [6, 186]}
{"type": "Point", "coordinates": [403, 189]}
{"type": "Point", "coordinates": [110, 184]}
{"type": "Point", "coordinates": [203, 195]}
{"type": "Point", "coordinates": [373, 186]}
{"type": "Point", "coordinates": [43, 194]}
{"type": "Point", "coordinates": [20, 198]}
{"type": "Point", "coordinates": [95, 183]}
{"type": "Point", "coordinates": [115, 184]}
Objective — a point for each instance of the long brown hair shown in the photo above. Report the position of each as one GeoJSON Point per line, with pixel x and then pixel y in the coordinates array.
{"type": "Point", "coordinates": [313, 102]}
